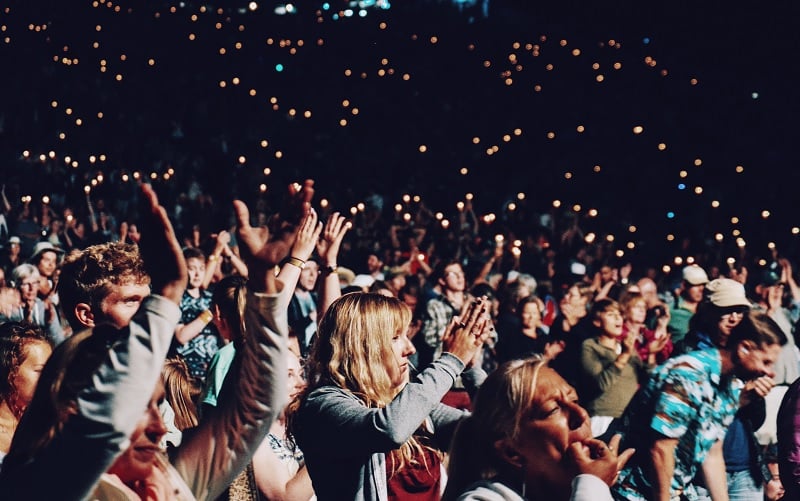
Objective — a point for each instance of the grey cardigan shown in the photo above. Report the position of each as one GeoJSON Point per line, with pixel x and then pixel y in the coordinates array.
{"type": "Point", "coordinates": [345, 443]}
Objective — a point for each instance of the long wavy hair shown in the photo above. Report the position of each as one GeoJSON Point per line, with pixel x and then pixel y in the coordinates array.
{"type": "Point", "coordinates": [352, 351]}
{"type": "Point", "coordinates": [502, 403]}
{"type": "Point", "coordinates": [15, 337]}
{"type": "Point", "coordinates": [68, 371]}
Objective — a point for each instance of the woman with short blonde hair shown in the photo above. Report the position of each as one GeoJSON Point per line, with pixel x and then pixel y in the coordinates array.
{"type": "Point", "coordinates": [528, 438]}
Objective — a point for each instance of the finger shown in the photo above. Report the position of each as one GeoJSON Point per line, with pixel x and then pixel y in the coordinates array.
{"type": "Point", "coordinates": [305, 224]}
{"type": "Point", "coordinates": [453, 326]}
{"type": "Point", "coordinates": [317, 231]}
{"type": "Point", "coordinates": [476, 312]}
{"type": "Point", "coordinates": [340, 228]}
{"type": "Point", "coordinates": [334, 223]}
{"type": "Point", "coordinates": [242, 215]}
{"type": "Point", "coordinates": [596, 446]}
{"type": "Point", "coordinates": [622, 459]}
{"type": "Point", "coordinates": [343, 230]}
{"type": "Point", "coordinates": [311, 221]}
{"type": "Point", "coordinates": [578, 453]}
{"type": "Point", "coordinates": [613, 444]}
{"type": "Point", "coordinates": [304, 196]}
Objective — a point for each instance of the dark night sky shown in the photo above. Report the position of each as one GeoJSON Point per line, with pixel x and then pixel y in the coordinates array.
{"type": "Point", "coordinates": [733, 50]}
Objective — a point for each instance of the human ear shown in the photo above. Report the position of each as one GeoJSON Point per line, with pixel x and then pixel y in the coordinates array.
{"type": "Point", "coordinates": [509, 454]}
{"type": "Point", "coordinates": [746, 346]}
{"type": "Point", "coordinates": [83, 312]}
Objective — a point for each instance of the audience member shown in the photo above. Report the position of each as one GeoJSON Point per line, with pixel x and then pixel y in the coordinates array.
{"type": "Point", "coordinates": [530, 337]}
{"type": "Point", "coordinates": [528, 438]}
{"type": "Point", "coordinates": [12, 256]}
{"type": "Point", "coordinates": [278, 465]}
{"type": "Point", "coordinates": [102, 284]}
{"type": "Point", "coordinates": [611, 369]}
{"type": "Point", "coordinates": [196, 337]}
{"type": "Point", "coordinates": [96, 386]}
{"type": "Point", "coordinates": [789, 442]}
{"type": "Point", "coordinates": [179, 409]}
{"type": "Point", "coordinates": [24, 349]}
{"type": "Point", "coordinates": [572, 326]}
{"type": "Point", "coordinates": [653, 346]}
{"type": "Point", "coordinates": [769, 294]}
{"type": "Point", "coordinates": [366, 428]}
{"type": "Point", "coordinates": [31, 309]}
{"type": "Point", "coordinates": [437, 313]}
{"type": "Point", "coordinates": [46, 259]}
{"type": "Point", "coordinates": [689, 296]}
{"type": "Point", "coordinates": [678, 420]}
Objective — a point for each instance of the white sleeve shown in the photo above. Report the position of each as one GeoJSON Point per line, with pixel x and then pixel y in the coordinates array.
{"type": "Point", "coordinates": [587, 487]}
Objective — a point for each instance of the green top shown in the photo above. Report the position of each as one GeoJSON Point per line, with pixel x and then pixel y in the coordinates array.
{"type": "Point", "coordinates": [613, 387]}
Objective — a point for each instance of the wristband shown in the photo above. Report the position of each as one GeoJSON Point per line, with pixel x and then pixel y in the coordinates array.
{"type": "Point", "coordinates": [296, 261]}
{"type": "Point", "coordinates": [206, 316]}
{"type": "Point", "coordinates": [329, 270]}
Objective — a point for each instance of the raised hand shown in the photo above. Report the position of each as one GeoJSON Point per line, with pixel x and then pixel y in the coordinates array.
{"type": "Point", "coordinates": [465, 334]}
{"type": "Point", "coordinates": [262, 249]}
{"type": "Point", "coordinates": [658, 344]}
{"type": "Point", "coordinates": [160, 250]}
{"type": "Point", "coordinates": [294, 208]}
{"type": "Point", "coordinates": [307, 236]}
{"type": "Point", "coordinates": [332, 236]}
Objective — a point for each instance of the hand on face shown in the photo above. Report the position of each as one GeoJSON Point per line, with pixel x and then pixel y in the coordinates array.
{"type": "Point", "coordinates": [757, 388]}
{"type": "Point", "coordinates": [596, 458]}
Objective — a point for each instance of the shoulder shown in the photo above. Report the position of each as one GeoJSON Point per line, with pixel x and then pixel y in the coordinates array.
{"type": "Point", "coordinates": [487, 490]}
{"type": "Point", "coordinates": [695, 365]}
{"type": "Point", "coordinates": [329, 394]}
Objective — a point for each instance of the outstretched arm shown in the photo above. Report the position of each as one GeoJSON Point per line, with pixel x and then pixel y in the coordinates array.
{"type": "Point", "coordinates": [305, 240]}
{"type": "Point", "coordinates": [111, 404]}
{"type": "Point", "coordinates": [255, 391]}
{"type": "Point", "coordinates": [328, 250]}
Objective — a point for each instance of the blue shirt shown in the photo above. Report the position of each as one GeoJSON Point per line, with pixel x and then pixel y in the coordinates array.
{"type": "Point", "coordinates": [687, 399]}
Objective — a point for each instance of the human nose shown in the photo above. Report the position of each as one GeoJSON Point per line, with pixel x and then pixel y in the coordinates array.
{"type": "Point", "coordinates": [577, 415]}
{"type": "Point", "coordinates": [155, 424]}
{"type": "Point", "coordinates": [409, 348]}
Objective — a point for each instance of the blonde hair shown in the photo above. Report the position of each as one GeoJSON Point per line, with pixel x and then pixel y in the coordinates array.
{"type": "Point", "coordinates": [503, 402]}
{"type": "Point", "coordinates": [182, 391]}
{"type": "Point", "coordinates": [352, 350]}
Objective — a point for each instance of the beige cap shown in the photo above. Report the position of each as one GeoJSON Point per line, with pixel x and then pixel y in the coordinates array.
{"type": "Point", "coordinates": [695, 275]}
{"type": "Point", "coordinates": [726, 293]}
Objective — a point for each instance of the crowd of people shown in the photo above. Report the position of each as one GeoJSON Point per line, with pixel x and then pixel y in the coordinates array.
{"type": "Point", "coordinates": [293, 352]}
